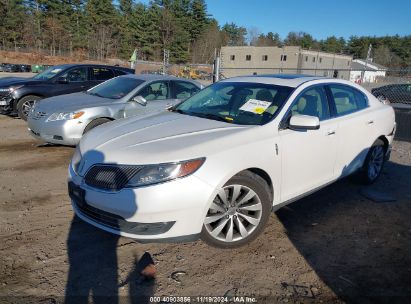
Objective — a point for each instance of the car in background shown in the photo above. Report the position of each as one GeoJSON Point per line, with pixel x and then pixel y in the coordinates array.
{"type": "Point", "coordinates": [393, 93]}
{"type": "Point", "coordinates": [64, 119]}
{"type": "Point", "coordinates": [18, 95]}
{"type": "Point", "coordinates": [11, 68]}
{"type": "Point", "coordinates": [216, 165]}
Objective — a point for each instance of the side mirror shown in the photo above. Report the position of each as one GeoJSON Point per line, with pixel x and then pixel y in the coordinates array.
{"type": "Point", "coordinates": [140, 100]}
{"type": "Point", "coordinates": [304, 122]}
{"type": "Point", "coordinates": [62, 80]}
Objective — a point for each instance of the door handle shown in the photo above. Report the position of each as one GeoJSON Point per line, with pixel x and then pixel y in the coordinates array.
{"type": "Point", "coordinates": [330, 132]}
{"type": "Point", "coordinates": [370, 122]}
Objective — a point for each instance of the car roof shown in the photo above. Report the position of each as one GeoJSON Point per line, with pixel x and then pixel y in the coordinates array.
{"type": "Point", "coordinates": [151, 77]}
{"type": "Point", "coordinates": [69, 65]}
{"type": "Point", "coordinates": [289, 80]}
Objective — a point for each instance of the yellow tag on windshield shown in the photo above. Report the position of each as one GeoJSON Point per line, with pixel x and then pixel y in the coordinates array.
{"type": "Point", "coordinates": [259, 110]}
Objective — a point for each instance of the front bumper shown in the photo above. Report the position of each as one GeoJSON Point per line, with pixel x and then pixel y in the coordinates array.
{"type": "Point", "coordinates": [6, 105]}
{"type": "Point", "coordinates": [63, 132]}
{"type": "Point", "coordinates": [171, 211]}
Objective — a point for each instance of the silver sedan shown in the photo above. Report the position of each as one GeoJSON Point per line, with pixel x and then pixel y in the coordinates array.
{"type": "Point", "coordinates": [64, 119]}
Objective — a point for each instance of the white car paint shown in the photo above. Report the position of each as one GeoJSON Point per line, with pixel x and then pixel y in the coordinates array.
{"type": "Point", "coordinates": [297, 163]}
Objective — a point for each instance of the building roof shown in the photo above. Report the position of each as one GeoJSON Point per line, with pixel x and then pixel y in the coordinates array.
{"type": "Point", "coordinates": [289, 80]}
{"type": "Point", "coordinates": [360, 64]}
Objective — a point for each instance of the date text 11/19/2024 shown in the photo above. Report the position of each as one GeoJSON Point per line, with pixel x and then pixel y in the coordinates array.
{"type": "Point", "coordinates": [203, 299]}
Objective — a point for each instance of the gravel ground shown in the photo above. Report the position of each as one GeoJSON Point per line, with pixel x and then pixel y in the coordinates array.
{"type": "Point", "coordinates": [333, 246]}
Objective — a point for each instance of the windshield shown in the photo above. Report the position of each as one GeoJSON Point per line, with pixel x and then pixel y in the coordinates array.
{"type": "Point", "coordinates": [237, 102]}
{"type": "Point", "coordinates": [49, 73]}
{"type": "Point", "coordinates": [115, 88]}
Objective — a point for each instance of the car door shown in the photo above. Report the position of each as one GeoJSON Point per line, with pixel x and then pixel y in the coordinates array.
{"type": "Point", "coordinates": [181, 90]}
{"type": "Point", "coordinates": [71, 81]}
{"type": "Point", "coordinates": [99, 75]}
{"type": "Point", "coordinates": [355, 124]}
{"type": "Point", "coordinates": [158, 97]}
{"type": "Point", "coordinates": [308, 156]}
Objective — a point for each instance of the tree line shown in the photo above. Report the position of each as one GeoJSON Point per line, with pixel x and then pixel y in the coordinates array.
{"type": "Point", "coordinates": [105, 28]}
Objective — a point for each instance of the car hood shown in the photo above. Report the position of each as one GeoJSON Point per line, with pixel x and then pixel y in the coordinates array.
{"type": "Point", "coordinates": [71, 102]}
{"type": "Point", "coordinates": [15, 81]}
{"type": "Point", "coordinates": [159, 138]}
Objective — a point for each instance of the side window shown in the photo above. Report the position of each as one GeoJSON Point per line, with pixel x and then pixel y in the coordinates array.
{"type": "Point", "coordinates": [312, 102]}
{"type": "Point", "coordinates": [347, 100]}
{"type": "Point", "coordinates": [155, 91]}
{"type": "Point", "coordinates": [361, 100]}
{"type": "Point", "coordinates": [183, 90]}
{"type": "Point", "coordinates": [76, 75]}
{"type": "Point", "coordinates": [101, 74]}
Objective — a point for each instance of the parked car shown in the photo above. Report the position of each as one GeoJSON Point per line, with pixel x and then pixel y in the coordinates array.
{"type": "Point", "coordinates": [17, 95]}
{"type": "Point", "coordinates": [393, 93]}
{"type": "Point", "coordinates": [64, 119]}
{"type": "Point", "coordinates": [11, 68]}
{"type": "Point", "coordinates": [24, 67]}
{"type": "Point", "coordinates": [217, 164]}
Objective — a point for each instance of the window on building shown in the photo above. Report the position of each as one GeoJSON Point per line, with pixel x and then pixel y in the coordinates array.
{"type": "Point", "coordinates": [306, 58]}
{"type": "Point", "coordinates": [232, 57]}
{"type": "Point", "coordinates": [348, 64]}
{"type": "Point", "coordinates": [313, 59]}
{"type": "Point", "coordinates": [248, 57]}
{"type": "Point", "coordinates": [283, 58]}
{"type": "Point", "coordinates": [321, 60]}
{"type": "Point", "coordinates": [265, 57]}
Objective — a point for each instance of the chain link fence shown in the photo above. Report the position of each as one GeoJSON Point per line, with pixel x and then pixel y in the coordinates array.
{"type": "Point", "coordinates": [199, 72]}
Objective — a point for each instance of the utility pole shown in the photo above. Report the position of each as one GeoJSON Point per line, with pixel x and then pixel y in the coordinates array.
{"type": "Point", "coordinates": [366, 62]}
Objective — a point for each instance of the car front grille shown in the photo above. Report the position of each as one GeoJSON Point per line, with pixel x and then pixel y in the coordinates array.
{"type": "Point", "coordinates": [38, 115]}
{"type": "Point", "coordinates": [110, 177]}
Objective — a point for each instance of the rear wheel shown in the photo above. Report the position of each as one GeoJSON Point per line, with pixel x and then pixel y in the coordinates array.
{"type": "Point", "coordinates": [25, 104]}
{"type": "Point", "coordinates": [374, 162]}
{"type": "Point", "coordinates": [95, 123]}
{"type": "Point", "coordinates": [239, 212]}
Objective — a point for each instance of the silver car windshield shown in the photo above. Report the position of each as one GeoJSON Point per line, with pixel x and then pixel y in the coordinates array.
{"type": "Point", "coordinates": [115, 88]}
{"type": "Point", "coordinates": [237, 102]}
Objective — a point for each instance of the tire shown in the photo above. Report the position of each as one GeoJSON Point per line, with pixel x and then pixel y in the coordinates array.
{"type": "Point", "coordinates": [374, 163]}
{"type": "Point", "coordinates": [94, 123]}
{"type": "Point", "coordinates": [24, 105]}
{"type": "Point", "coordinates": [232, 226]}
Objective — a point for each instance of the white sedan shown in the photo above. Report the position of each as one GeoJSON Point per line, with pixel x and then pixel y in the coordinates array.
{"type": "Point", "coordinates": [216, 165]}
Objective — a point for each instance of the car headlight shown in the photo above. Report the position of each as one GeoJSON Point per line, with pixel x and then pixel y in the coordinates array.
{"type": "Point", "coordinates": [10, 89]}
{"type": "Point", "coordinates": [154, 174]}
{"type": "Point", "coordinates": [76, 160]}
{"type": "Point", "coordinates": [65, 116]}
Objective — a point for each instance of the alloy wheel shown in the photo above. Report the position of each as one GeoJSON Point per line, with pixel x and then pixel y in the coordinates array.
{"type": "Point", "coordinates": [26, 107]}
{"type": "Point", "coordinates": [234, 214]}
{"type": "Point", "coordinates": [376, 162]}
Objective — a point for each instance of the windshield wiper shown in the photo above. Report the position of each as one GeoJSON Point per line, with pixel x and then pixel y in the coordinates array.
{"type": "Point", "coordinates": [172, 109]}
{"type": "Point", "coordinates": [210, 116]}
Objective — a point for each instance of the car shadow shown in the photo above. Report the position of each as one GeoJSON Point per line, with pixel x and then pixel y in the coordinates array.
{"type": "Point", "coordinates": [93, 261]}
{"type": "Point", "coordinates": [359, 248]}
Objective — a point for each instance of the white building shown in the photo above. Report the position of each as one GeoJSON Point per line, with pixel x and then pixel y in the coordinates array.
{"type": "Point", "coordinates": [370, 72]}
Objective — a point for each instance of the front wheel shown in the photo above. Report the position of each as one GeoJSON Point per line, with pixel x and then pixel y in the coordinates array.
{"type": "Point", "coordinates": [374, 162]}
{"type": "Point", "coordinates": [25, 104]}
{"type": "Point", "coordinates": [238, 213]}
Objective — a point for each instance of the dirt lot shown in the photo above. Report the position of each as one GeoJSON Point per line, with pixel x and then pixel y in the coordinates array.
{"type": "Point", "coordinates": [334, 246]}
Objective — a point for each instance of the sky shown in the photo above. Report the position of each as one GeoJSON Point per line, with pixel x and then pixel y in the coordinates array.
{"type": "Point", "coordinates": [320, 18]}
